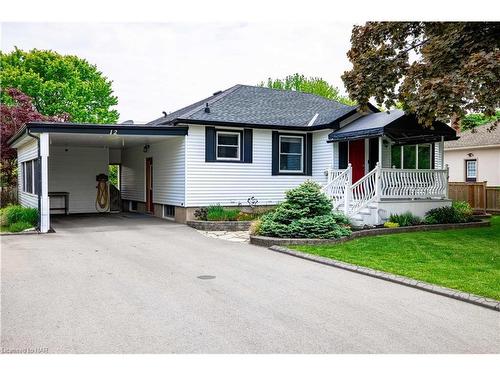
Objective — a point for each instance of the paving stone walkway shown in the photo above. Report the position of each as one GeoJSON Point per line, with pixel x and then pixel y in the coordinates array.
{"type": "Point", "coordinates": [238, 236]}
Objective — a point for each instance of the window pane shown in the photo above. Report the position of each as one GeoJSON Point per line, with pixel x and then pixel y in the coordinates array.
{"type": "Point", "coordinates": [35, 176]}
{"type": "Point", "coordinates": [28, 187]}
{"type": "Point", "coordinates": [227, 152]}
{"type": "Point", "coordinates": [228, 139]}
{"type": "Point", "coordinates": [291, 145]}
{"type": "Point", "coordinates": [409, 157]}
{"type": "Point", "coordinates": [396, 156]}
{"type": "Point", "coordinates": [424, 157]}
{"type": "Point", "coordinates": [471, 169]}
{"type": "Point", "coordinates": [290, 162]}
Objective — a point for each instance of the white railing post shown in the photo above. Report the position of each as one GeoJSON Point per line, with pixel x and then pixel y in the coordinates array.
{"type": "Point", "coordinates": [447, 169]}
{"type": "Point", "coordinates": [378, 181]}
{"type": "Point", "coordinates": [347, 190]}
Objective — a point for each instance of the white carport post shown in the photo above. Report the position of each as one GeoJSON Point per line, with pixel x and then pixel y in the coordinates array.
{"type": "Point", "coordinates": [44, 183]}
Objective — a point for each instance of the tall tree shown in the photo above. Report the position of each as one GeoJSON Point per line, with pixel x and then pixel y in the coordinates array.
{"type": "Point", "coordinates": [436, 70]}
{"type": "Point", "coordinates": [12, 118]}
{"type": "Point", "coordinates": [312, 85]}
{"type": "Point", "coordinates": [59, 84]}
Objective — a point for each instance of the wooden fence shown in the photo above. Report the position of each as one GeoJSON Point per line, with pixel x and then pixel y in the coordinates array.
{"type": "Point", "coordinates": [480, 196]}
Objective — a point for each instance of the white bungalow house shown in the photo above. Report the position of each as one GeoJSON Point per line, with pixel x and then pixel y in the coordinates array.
{"type": "Point", "coordinates": [245, 144]}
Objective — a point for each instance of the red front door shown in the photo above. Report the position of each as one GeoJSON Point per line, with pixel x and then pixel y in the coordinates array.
{"type": "Point", "coordinates": [357, 159]}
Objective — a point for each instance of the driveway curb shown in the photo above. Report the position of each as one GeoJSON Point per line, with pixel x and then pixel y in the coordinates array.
{"type": "Point", "coordinates": [432, 288]}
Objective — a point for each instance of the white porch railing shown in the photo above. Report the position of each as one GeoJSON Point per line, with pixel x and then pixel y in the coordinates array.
{"type": "Point", "coordinates": [413, 183]}
{"type": "Point", "coordinates": [380, 183]}
{"type": "Point", "coordinates": [338, 181]}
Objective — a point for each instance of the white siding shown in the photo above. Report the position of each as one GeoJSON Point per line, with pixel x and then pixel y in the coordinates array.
{"type": "Point", "coordinates": [386, 153]}
{"type": "Point", "coordinates": [27, 151]}
{"type": "Point", "coordinates": [168, 172]}
{"type": "Point", "coordinates": [336, 156]}
{"type": "Point", "coordinates": [74, 171]}
{"type": "Point", "coordinates": [438, 155]}
{"type": "Point", "coordinates": [234, 183]}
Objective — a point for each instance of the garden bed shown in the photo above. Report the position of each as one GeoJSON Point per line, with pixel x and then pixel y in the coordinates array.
{"type": "Point", "coordinates": [228, 226]}
{"type": "Point", "coordinates": [271, 241]}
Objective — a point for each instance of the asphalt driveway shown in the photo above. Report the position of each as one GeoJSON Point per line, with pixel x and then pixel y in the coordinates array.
{"type": "Point", "coordinates": [130, 284]}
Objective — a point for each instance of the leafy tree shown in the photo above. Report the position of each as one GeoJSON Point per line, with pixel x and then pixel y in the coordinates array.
{"type": "Point", "coordinates": [12, 118]}
{"type": "Point", "coordinates": [437, 70]}
{"type": "Point", "coordinates": [59, 84]}
{"type": "Point", "coordinates": [311, 85]}
{"type": "Point", "coordinates": [472, 120]}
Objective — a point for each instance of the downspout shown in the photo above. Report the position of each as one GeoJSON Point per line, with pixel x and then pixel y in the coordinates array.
{"type": "Point", "coordinates": [39, 182]}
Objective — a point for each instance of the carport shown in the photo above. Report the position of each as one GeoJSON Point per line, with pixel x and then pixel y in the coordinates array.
{"type": "Point", "coordinates": [61, 162]}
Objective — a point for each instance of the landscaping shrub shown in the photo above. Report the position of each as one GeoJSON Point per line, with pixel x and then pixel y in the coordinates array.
{"type": "Point", "coordinates": [19, 226]}
{"type": "Point", "coordinates": [458, 212]}
{"type": "Point", "coordinates": [255, 226]}
{"type": "Point", "coordinates": [201, 213]}
{"type": "Point", "coordinates": [405, 219]}
{"type": "Point", "coordinates": [463, 211]}
{"type": "Point", "coordinates": [306, 213]}
{"type": "Point", "coordinates": [391, 224]}
{"type": "Point", "coordinates": [16, 214]}
{"type": "Point", "coordinates": [219, 213]}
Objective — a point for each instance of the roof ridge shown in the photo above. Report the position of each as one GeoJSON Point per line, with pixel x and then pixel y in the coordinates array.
{"type": "Point", "coordinates": [214, 98]}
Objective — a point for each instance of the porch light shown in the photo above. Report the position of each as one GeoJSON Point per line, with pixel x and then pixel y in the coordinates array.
{"type": "Point", "coordinates": [146, 148]}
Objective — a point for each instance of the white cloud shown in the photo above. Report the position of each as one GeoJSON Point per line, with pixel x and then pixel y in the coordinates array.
{"type": "Point", "coordinates": [156, 67]}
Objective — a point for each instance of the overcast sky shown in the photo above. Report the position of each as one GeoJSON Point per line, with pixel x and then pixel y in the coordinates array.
{"type": "Point", "coordinates": [162, 67]}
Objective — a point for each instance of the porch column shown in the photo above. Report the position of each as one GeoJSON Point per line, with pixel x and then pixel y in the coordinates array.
{"type": "Point", "coordinates": [441, 152]}
{"type": "Point", "coordinates": [44, 183]}
{"type": "Point", "coordinates": [380, 150]}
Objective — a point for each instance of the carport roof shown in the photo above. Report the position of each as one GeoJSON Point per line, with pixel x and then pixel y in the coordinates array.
{"type": "Point", "coordinates": [112, 129]}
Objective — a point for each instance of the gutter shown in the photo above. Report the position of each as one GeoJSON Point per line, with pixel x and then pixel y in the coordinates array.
{"type": "Point", "coordinates": [39, 182]}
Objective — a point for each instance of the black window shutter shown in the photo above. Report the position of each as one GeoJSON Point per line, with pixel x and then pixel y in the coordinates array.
{"type": "Point", "coordinates": [209, 143]}
{"type": "Point", "coordinates": [275, 153]}
{"type": "Point", "coordinates": [342, 155]}
{"type": "Point", "coordinates": [247, 145]}
{"type": "Point", "coordinates": [309, 155]}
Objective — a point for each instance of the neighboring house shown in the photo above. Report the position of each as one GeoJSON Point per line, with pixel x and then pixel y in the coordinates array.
{"type": "Point", "coordinates": [240, 145]}
{"type": "Point", "coordinates": [475, 156]}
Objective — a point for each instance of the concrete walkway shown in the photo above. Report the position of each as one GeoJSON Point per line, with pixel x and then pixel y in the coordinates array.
{"type": "Point", "coordinates": [131, 284]}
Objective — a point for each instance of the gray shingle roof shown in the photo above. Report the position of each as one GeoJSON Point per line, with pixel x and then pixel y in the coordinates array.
{"type": "Point", "coordinates": [261, 106]}
{"type": "Point", "coordinates": [481, 137]}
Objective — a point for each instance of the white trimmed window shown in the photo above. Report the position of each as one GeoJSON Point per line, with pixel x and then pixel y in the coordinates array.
{"type": "Point", "coordinates": [291, 154]}
{"type": "Point", "coordinates": [471, 170]}
{"type": "Point", "coordinates": [228, 145]}
{"type": "Point", "coordinates": [30, 176]}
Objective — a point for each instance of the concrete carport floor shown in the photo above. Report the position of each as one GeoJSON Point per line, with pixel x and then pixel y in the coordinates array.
{"type": "Point", "coordinates": [130, 283]}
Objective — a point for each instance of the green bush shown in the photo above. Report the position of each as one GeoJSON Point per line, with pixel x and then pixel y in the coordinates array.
{"type": "Point", "coordinates": [391, 224]}
{"type": "Point", "coordinates": [306, 213]}
{"type": "Point", "coordinates": [463, 211]}
{"type": "Point", "coordinates": [405, 219]}
{"type": "Point", "coordinates": [219, 213]}
{"type": "Point", "coordinates": [201, 213]}
{"type": "Point", "coordinates": [19, 226]}
{"type": "Point", "coordinates": [458, 212]}
{"type": "Point", "coordinates": [17, 214]}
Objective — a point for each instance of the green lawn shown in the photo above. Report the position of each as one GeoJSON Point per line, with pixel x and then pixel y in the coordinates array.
{"type": "Point", "coordinates": [464, 259]}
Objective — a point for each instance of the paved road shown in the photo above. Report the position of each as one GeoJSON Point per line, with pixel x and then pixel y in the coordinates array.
{"type": "Point", "coordinates": [129, 284]}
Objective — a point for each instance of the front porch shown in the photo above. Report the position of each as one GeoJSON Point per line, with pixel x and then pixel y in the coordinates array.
{"type": "Point", "coordinates": [387, 164]}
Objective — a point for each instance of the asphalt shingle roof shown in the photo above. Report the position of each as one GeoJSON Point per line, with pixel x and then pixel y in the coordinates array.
{"type": "Point", "coordinates": [481, 137]}
{"type": "Point", "coordinates": [261, 106]}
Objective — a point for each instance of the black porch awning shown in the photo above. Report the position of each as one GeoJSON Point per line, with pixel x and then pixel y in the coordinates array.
{"type": "Point", "coordinates": [395, 124]}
